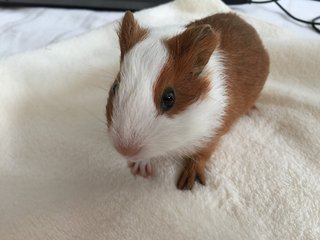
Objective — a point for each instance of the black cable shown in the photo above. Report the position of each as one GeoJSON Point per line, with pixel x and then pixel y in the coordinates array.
{"type": "Point", "coordinates": [313, 22]}
{"type": "Point", "coordinates": [261, 1]}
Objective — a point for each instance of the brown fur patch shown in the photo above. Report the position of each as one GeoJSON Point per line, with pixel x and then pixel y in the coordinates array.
{"type": "Point", "coordinates": [247, 67]}
{"type": "Point", "coordinates": [189, 53]}
{"type": "Point", "coordinates": [246, 63]}
{"type": "Point", "coordinates": [130, 33]}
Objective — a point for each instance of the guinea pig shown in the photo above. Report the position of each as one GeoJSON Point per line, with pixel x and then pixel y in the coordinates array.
{"type": "Point", "coordinates": [180, 88]}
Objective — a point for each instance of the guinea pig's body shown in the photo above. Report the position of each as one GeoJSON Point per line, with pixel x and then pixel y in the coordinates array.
{"type": "Point", "coordinates": [180, 89]}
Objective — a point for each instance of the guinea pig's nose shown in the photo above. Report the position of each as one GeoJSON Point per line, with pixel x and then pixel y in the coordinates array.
{"type": "Point", "coordinates": [128, 150]}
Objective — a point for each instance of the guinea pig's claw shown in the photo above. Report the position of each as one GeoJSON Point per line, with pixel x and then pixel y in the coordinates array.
{"type": "Point", "coordinates": [143, 169]}
{"type": "Point", "coordinates": [192, 171]}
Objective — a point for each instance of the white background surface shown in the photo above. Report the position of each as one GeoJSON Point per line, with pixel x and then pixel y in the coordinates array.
{"type": "Point", "coordinates": [24, 29]}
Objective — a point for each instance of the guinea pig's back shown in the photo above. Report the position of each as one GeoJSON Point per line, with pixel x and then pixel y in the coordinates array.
{"type": "Point", "coordinates": [245, 60]}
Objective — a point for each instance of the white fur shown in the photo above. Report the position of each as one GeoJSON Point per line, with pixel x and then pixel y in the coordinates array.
{"type": "Point", "coordinates": [187, 131]}
{"type": "Point", "coordinates": [134, 111]}
{"type": "Point", "coordinates": [135, 117]}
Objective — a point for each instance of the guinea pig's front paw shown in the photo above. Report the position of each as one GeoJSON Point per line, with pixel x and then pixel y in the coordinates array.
{"type": "Point", "coordinates": [192, 171]}
{"type": "Point", "coordinates": [144, 169]}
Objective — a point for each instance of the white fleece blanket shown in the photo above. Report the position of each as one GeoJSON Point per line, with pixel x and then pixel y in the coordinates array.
{"type": "Point", "coordinates": [61, 179]}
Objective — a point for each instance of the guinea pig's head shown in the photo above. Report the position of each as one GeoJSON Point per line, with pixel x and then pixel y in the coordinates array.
{"type": "Point", "coordinates": [159, 101]}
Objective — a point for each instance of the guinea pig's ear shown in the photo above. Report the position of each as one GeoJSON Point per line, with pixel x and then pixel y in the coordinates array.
{"type": "Point", "coordinates": [129, 33]}
{"type": "Point", "coordinates": [193, 47]}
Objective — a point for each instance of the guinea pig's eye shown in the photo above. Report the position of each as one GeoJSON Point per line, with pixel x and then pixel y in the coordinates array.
{"type": "Point", "coordinates": [168, 99]}
{"type": "Point", "coordinates": [114, 88]}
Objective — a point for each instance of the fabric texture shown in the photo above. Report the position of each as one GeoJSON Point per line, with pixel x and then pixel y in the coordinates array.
{"type": "Point", "coordinates": [30, 28]}
{"type": "Point", "coordinates": [61, 179]}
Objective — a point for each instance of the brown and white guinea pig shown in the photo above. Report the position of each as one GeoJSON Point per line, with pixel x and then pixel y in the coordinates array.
{"type": "Point", "coordinates": [179, 89]}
